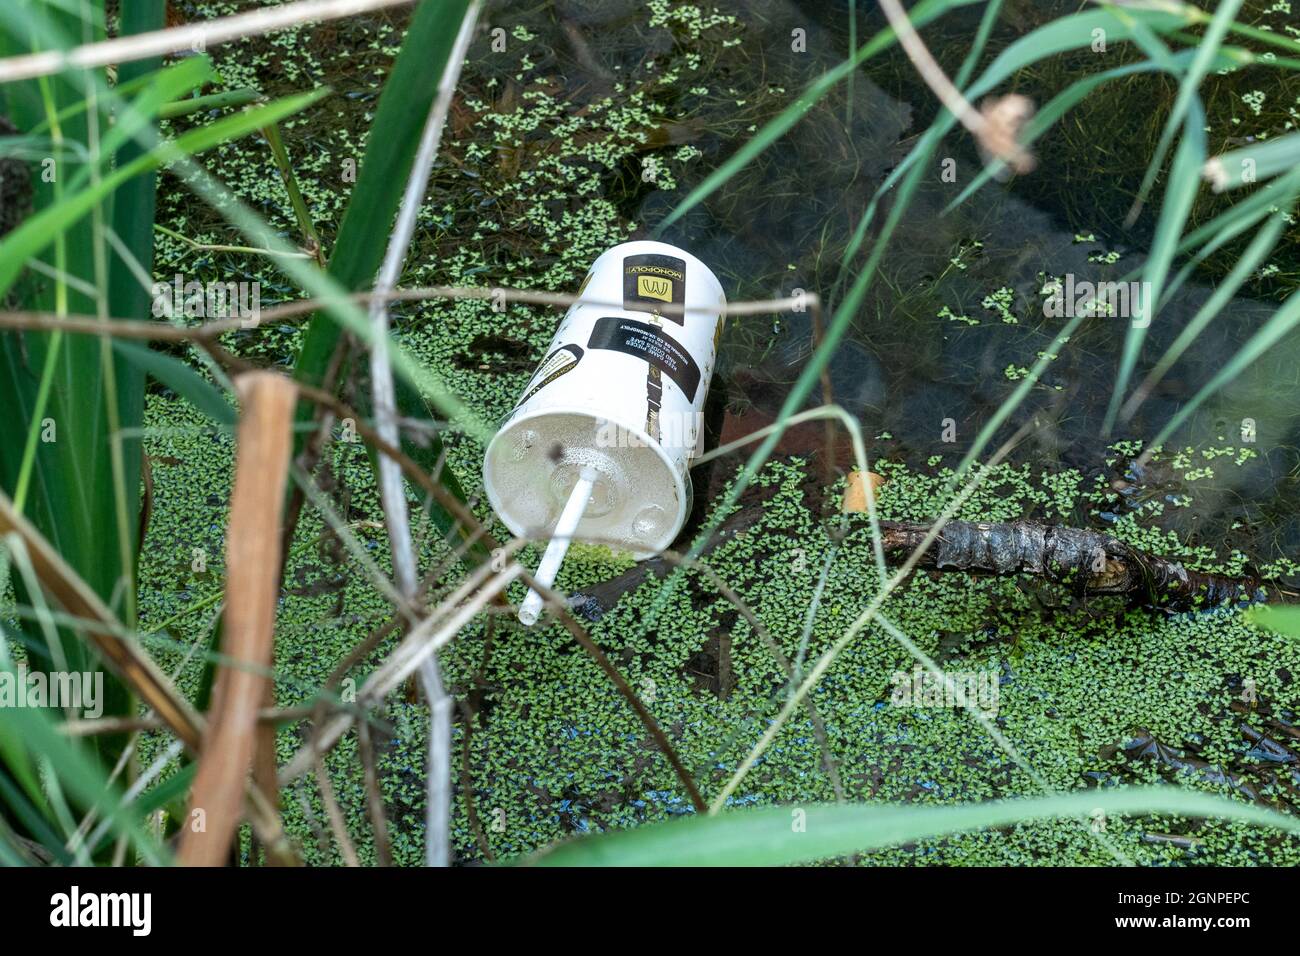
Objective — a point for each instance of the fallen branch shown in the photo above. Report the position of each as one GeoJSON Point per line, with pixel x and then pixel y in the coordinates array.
{"type": "Point", "coordinates": [1090, 562]}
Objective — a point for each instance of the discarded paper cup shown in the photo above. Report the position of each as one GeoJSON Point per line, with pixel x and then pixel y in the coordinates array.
{"type": "Point", "coordinates": [620, 393]}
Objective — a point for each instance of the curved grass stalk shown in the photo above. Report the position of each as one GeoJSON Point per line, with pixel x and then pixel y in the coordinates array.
{"type": "Point", "coordinates": [210, 247]}
{"type": "Point", "coordinates": [801, 653]}
{"type": "Point", "coordinates": [392, 491]}
{"type": "Point", "coordinates": [16, 552]}
{"type": "Point", "coordinates": [56, 338]}
{"type": "Point", "coordinates": [859, 457]}
{"type": "Point", "coordinates": [1197, 17]}
{"type": "Point", "coordinates": [1230, 228]}
{"type": "Point", "coordinates": [803, 387]}
{"type": "Point", "coordinates": [1253, 163]}
{"type": "Point", "coordinates": [1206, 51]}
{"type": "Point", "coordinates": [1049, 115]}
{"type": "Point", "coordinates": [824, 662]}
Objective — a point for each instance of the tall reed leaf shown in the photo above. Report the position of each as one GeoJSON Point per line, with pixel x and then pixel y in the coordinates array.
{"type": "Point", "coordinates": [1206, 51]}
{"type": "Point", "coordinates": [1254, 163]}
{"type": "Point", "coordinates": [1260, 246]}
{"type": "Point", "coordinates": [38, 231]}
{"type": "Point", "coordinates": [1279, 325]}
{"type": "Point", "coordinates": [363, 235]}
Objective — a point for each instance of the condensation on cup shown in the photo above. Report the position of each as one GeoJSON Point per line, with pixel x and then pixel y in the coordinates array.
{"type": "Point", "coordinates": [599, 446]}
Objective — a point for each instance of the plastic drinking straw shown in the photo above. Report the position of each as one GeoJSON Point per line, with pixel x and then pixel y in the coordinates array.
{"type": "Point", "coordinates": [531, 609]}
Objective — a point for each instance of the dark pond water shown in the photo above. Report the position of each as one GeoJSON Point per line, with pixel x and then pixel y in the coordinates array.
{"type": "Point", "coordinates": [906, 366]}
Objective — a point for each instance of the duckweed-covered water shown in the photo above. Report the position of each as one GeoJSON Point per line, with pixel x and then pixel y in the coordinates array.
{"type": "Point", "coordinates": [580, 125]}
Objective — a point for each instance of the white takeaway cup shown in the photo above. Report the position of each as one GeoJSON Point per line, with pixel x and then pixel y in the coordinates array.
{"type": "Point", "coordinates": [617, 400]}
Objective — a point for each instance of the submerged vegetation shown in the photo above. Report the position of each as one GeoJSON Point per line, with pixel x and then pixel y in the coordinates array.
{"type": "Point", "coordinates": [742, 135]}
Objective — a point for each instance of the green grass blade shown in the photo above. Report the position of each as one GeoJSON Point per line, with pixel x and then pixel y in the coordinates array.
{"type": "Point", "coordinates": [25, 813]}
{"type": "Point", "coordinates": [1057, 107]}
{"type": "Point", "coordinates": [163, 87]}
{"type": "Point", "coordinates": [390, 150]}
{"type": "Point", "coordinates": [1279, 325]}
{"type": "Point", "coordinates": [1206, 52]}
{"type": "Point", "coordinates": [1196, 15]}
{"type": "Point", "coordinates": [1236, 218]}
{"type": "Point", "coordinates": [363, 235]}
{"type": "Point", "coordinates": [180, 378]}
{"type": "Point", "coordinates": [1254, 163]}
{"type": "Point", "coordinates": [46, 379]}
{"type": "Point", "coordinates": [132, 222]}
{"type": "Point", "coordinates": [1260, 246]}
{"type": "Point", "coordinates": [1184, 182]}
{"type": "Point", "coordinates": [778, 836]}
{"type": "Point", "coordinates": [230, 99]}
{"type": "Point", "coordinates": [74, 769]}
{"type": "Point", "coordinates": [1231, 225]}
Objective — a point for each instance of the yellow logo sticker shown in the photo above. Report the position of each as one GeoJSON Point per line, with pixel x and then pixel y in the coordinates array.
{"type": "Point", "coordinates": [655, 287]}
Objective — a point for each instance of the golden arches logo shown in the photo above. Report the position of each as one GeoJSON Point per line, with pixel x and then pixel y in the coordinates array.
{"type": "Point", "coordinates": [655, 287]}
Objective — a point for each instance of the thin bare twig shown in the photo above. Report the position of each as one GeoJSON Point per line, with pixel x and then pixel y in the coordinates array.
{"type": "Point", "coordinates": [79, 324]}
{"type": "Point", "coordinates": [424, 639]}
{"type": "Point", "coordinates": [130, 725]}
{"type": "Point", "coordinates": [191, 36]}
{"type": "Point", "coordinates": [367, 434]}
{"type": "Point", "coordinates": [374, 798]}
{"type": "Point", "coordinates": [332, 811]}
{"type": "Point", "coordinates": [996, 127]}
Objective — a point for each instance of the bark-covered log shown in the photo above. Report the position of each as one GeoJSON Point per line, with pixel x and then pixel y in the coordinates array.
{"type": "Point", "coordinates": [1089, 562]}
